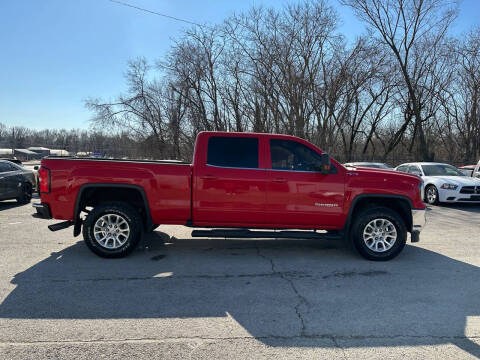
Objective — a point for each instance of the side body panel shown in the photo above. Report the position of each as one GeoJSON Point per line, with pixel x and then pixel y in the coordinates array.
{"type": "Point", "coordinates": [167, 187]}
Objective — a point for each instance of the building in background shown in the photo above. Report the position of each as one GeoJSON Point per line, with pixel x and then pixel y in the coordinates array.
{"type": "Point", "coordinates": [40, 150]}
{"type": "Point", "coordinates": [25, 154]}
{"type": "Point", "coordinates": [59, 152]}
{"type": "Point", "coordinates": [6, 153]}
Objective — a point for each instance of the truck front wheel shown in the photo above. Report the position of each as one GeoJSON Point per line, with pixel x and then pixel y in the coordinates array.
{"type": "Point", "coordinates": [379, 234]}
{"type": "Point", "coordinates": [112, 229]}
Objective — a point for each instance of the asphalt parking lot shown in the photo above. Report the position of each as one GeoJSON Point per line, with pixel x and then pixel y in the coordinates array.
{"type": "Point", "coordinates": [178, 297]}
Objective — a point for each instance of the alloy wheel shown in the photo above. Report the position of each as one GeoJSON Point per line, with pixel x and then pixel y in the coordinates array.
{"type": "Point", "coordinates": [380, 235]}
{"type": "Point", "coordinates": [111, 231]}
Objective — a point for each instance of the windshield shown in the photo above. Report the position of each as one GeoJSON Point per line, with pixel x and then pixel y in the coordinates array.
{"type": "Point", "coordinates": [441, 170]}
{"type": "Point", "coordinates": [370, 165]}
{"type": "Point", "coordinates": [380, 166]}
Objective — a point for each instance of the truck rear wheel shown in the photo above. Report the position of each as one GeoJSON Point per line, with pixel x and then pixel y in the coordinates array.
{"type": "Point", "coordinates": [112, 229]}
{"type": "Point", "coordinates": [379, 234]}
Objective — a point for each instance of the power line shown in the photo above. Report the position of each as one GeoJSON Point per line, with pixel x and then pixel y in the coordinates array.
{"type": "Point", "coordinates": [155, 13]}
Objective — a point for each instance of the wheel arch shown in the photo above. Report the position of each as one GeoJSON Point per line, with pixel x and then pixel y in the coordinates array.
{"type": "Point", "coordinates": [399, 203]}
{"type": "Point", "coordinates": [97, 193]}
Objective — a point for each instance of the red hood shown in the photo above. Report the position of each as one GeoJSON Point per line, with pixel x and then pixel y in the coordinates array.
{"type": "Point", "coordinates": [362, 180]}
{"type": "Point", "coordinates": [384, 172]}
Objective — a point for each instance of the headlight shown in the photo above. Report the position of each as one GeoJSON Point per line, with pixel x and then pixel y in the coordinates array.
{"type": "Point", "coordinates": [448, 186]}
{"type": "Point", "coordinates": [421, 189]}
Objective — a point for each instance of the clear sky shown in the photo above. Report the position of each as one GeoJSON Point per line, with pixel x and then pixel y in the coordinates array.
{"type": "Point", "coordinates": [56, 53]}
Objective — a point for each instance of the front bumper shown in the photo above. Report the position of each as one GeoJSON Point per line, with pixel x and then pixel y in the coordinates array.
{"type": "Point", "coordinates": [43, 210]}
{"type": "Point", "coordinates": [418, 223]}
{"type": "Point", "coordinates": [455, 196]}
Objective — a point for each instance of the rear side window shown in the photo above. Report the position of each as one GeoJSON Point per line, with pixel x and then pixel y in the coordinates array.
{"type": "Point", "coordinates": [402, 168]}
{"type": "Point", "coordinates": [237, 152]}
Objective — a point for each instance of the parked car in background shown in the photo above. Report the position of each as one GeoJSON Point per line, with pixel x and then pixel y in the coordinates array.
{"type": "Point", "coordinates": [467, 169]}
{"type": "Point", "coordinates": [16, 161]}
{"type": "Point", "coordinates": [375, 165]}
{"type": "Point", "coordinates": [16, 182]}
{"type": "Point", "coordinates": [444, 182]}
{"type": "Point", "coordinates": [33, 167]}
{"type": "Point", "coordinates": [476, 171]}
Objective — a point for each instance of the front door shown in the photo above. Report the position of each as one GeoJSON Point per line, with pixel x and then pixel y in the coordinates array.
{"type": "Point", "coordinates": [299, 195]}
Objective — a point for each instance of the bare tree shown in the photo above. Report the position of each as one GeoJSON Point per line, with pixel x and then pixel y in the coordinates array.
{"type": "Point", "coordinates": [410, 29]}
{"type": "Point", "coordinates": [140, 111]}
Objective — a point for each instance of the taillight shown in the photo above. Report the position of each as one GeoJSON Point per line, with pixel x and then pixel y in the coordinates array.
{"type": "Point", "coordinates": [44, 179]}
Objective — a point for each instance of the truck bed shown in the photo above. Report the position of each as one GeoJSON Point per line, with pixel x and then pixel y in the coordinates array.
{"type": "Point", "coordinates": [166, 185]}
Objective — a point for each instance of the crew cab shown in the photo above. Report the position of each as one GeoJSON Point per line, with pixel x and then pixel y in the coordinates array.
{"type": "Point", "coordinates": [242, 185]}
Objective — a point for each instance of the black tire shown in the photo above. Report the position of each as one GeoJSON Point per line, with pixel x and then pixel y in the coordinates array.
{"type": "Point", "coordinates": [433, 189]}
{"type": "Point", "coordinates": [360, 225]}
{"type": "Point", "coordinates": [25, 193]}
{"type": "Point", "coordinates": [126, 212]}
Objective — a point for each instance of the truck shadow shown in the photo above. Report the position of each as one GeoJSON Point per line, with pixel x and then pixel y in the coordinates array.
{"type": "Point", "coordinates": [280, 291]}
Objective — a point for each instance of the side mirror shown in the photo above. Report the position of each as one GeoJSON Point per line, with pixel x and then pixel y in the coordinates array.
{"type": "Point", "coordinates": [324, 164]}
{"type": "Point", "coordinates": [35, 167]}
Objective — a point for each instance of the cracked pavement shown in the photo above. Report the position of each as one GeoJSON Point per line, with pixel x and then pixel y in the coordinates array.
{"type": "Point", "coordinates": [178, 297]}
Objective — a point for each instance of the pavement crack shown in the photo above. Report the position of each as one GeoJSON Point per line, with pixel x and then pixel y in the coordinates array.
{"type": "Point", "coordinates": [337, 345]}
{"type": "Point", "coordinates": [301, 298]}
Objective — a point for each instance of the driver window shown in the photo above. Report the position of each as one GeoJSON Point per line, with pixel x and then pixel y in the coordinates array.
{"type": "Point", "coordinates": [291, 155]}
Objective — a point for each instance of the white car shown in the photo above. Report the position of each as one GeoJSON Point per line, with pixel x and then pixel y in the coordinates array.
{"type": "Point", "coordinates": [444, 183]}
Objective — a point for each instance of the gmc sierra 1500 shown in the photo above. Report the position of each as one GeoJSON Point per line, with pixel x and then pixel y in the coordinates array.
{"type": "Point", "coordinates": [237, 182]}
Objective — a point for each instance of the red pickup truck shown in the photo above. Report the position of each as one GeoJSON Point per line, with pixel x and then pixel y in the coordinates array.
{"type": "Point", "coordinates": [241, 185]}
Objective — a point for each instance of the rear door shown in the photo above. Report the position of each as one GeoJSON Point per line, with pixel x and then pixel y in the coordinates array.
{"type": "Point", "coordinates": [299, 195]}
{"type": "Point", "coordinates": [230, 182]}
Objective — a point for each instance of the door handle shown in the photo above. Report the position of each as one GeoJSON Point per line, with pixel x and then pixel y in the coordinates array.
{"type": "Point", "coordinates": [279, 180]}
{"type": "Point", "coordinates": [208, 177]}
